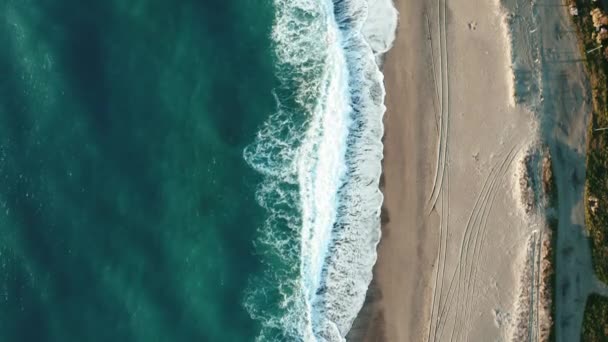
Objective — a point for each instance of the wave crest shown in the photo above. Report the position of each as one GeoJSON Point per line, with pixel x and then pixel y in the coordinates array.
{"type": "Point", "coordinates": [320, 155]}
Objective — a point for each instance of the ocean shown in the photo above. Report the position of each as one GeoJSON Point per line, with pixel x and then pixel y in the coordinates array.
{"type": "Point", "coordinates": [189, 170]}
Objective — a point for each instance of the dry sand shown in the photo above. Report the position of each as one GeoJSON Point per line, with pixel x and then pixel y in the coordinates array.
{"type": "Point", "coordinates": [459, 255]}
{"type": "Point", "coordinates": [485, 235]}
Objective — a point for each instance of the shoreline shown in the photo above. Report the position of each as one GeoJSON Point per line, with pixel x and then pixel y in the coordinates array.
{"type": "Point", "coordinates": [407, 246]}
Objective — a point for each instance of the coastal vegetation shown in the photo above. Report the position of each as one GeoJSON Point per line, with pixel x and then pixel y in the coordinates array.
{"type": "Point", "coordinates": [591, 22]}
{"type": "Point", "coordinates": [549, 276]}
{"type": "Point", "coordinates": [595, 324]}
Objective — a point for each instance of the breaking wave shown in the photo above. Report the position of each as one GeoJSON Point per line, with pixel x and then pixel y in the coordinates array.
{"type": "Point", "coordinates": [320, 156]}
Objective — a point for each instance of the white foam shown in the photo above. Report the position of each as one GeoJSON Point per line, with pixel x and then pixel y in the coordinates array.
{"type": "Point", "coordinates": [381, 25]}
{"type": "Point", "coordinates": [322, 164]}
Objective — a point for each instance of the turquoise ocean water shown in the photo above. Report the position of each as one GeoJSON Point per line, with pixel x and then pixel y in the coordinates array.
{"type": "Point", "coordinates": [189, 170]}
{"type": "Point", "coordinates": [127, 211]}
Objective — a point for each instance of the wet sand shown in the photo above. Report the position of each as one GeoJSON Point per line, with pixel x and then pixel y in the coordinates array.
{"type": "Point", "coordinates": [407, 251]}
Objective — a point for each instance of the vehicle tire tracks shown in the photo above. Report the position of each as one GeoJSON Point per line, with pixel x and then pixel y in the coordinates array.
{"type": "Point", "coordinates": [477, 218]}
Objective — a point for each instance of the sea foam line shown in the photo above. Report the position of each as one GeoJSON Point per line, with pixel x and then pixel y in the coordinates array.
{"type": "Point", "coordinates": [320, 155]}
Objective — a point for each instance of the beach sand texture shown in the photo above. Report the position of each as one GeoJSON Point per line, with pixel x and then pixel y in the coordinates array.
{"type": "Point", "coordinates": [458, 249]}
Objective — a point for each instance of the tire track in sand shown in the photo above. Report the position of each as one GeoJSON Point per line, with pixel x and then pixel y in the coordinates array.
{"type": "Point", "coordinates": [444, 105]}
{"type": "Point", "coordinates": [442, 92]}
{"type": "Point", "coordinates": [447, 306]}
{"type": "Point", "coordinates": [457, 270]}
{"type": "Point", "coordinates": [474, 221]}
{"type": "Point", "coordinates": [441, 255]}
{"type": "Point", "coordinates": [473, 228]}
{"type": "Point", "coordinates": [437, 99]}
{"type": "Point", "coordinates": [472, 279]}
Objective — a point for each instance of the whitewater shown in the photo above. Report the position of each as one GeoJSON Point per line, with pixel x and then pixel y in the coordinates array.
{"type": "Point", "coordinates": [320, 158]}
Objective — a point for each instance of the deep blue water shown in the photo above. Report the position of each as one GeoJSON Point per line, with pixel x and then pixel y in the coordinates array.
{"type": "Point", "coordinates": [127, 211]}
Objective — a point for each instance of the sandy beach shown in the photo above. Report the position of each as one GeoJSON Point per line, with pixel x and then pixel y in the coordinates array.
{"type": "Point", "coordinates": [462, 244]}
{"type": "Point", "coordinates": [407, 251]}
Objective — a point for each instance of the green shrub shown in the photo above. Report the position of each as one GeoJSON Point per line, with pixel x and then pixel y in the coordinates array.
{"type": "Point", "coordinates": [595, 320]}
